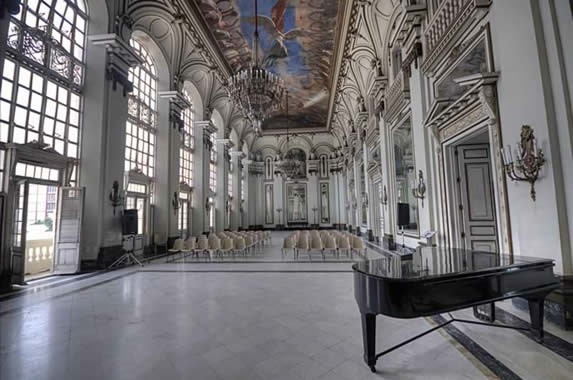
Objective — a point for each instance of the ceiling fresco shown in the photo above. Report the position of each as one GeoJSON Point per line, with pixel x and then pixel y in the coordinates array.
{"type": "Point", "coordinates": [296, 42]}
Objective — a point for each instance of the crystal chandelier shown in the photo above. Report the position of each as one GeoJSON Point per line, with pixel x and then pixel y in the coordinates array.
{"type": "Point", "coordinates": [256, 91]}
{"type": "Point", "coordinates": [289, 166]}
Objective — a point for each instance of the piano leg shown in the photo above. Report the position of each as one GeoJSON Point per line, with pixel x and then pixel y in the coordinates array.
{"type": "Point", "coordinates": [536, 303]}
{"type": "Point", "coordinates": [369, 339]}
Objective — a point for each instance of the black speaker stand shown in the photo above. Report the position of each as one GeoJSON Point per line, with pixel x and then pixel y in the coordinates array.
{"type": "Point", "coordinates": [128, 257]}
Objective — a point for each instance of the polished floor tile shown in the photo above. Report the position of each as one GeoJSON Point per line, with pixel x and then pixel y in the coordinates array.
{"type": "Point", "coordinates": [182, 321]}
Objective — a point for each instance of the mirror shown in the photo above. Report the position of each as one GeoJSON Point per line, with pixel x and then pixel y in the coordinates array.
{"type": "Point", "coordinates": [407, 204]}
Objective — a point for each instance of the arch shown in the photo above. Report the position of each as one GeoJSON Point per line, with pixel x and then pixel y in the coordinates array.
{"type": "Point", "coordinates": [156, 54]}
{"type": "Point", "coordinates": [196, 100]}
{"type": "Point", "coordinates": [218, 121]}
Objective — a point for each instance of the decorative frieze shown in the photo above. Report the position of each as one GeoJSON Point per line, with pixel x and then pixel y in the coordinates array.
{"type": "Point", "coordinates": [120, 58]}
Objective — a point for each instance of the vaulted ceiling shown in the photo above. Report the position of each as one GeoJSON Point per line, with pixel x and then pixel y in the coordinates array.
{"type": "Point", "coordinates": [297, 42]}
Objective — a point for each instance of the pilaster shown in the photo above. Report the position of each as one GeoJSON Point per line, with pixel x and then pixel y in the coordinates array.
{"type": "Point", "coordinates": [167, 165]}
{"type": "Point", "coordinates": [103, 142]}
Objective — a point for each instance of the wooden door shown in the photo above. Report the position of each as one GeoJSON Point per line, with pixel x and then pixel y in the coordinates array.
{"type": "Point", "coordinates": [20, 221]}
{"type": "Point", "coordinates": [477, 208]}
{"type": "Point", "coordinates": [68, 231]}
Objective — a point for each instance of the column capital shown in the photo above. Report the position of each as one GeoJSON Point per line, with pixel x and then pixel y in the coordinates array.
{"type": "Point", "coordinates": [207, 126]}
{"type": "Point", "coordinates": [177, 104]}
{"type": "Point", "coordinates": [120, 58]}
{"type": "Point", "coordinates": [238, 154]}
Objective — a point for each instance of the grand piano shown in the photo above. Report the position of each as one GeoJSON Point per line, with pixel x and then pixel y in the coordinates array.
{"type": "Point", "coordinates": [435, 280]}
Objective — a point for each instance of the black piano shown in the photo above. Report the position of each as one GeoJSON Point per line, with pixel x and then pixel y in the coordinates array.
{"type": "Point", "coordinates": [434, 280]}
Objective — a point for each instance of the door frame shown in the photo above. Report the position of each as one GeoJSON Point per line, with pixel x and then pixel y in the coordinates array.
{"type": "Point", "coordinates": [452, 200]}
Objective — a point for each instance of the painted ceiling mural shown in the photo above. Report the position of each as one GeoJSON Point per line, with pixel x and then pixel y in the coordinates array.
{"type": "Point", "coordinates": [296, 42]}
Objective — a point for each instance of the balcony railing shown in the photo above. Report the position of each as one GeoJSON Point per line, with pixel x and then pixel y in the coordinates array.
{"type": "Point", "coordinates": [39, 256]}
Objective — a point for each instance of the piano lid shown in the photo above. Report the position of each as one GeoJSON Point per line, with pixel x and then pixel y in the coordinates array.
{"type": "Point", "coordinates": [428, 262]}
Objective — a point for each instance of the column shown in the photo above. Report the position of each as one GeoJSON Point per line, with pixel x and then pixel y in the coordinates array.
{"type": "Point", "coordinates": [167, 166]}
{"type": "Point", "coordinates": [103, 144]}
{"type": "Point", "coordinates": [6, 9]}
{"type": "Point", "coordinates": [246, 205]}
{"type": "Point", "coordinates": [237, 162]}
{"type": "Point", "coordinates": [223, 160]}
{"type": "Point", "coordinates": [202, 131]}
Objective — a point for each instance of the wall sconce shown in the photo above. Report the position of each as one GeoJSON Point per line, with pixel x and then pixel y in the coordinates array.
{"type": "Point", "coordinates": [384, 196]}
{"type": "Point", "coordinates": [419, 191]}
{"type": "Point", "coordinates": [116, 196]}
{"type": "Point", "coordinates": [529, 161]}
{"type": "Point", "coordinates": [175, 202]}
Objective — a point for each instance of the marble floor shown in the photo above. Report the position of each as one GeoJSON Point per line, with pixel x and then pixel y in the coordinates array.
{"type": "Point", "coordinates": [243, 320]}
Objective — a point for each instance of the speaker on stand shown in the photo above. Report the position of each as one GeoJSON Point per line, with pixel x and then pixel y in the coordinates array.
{"type": "Point", "coordinates": [129, 231]}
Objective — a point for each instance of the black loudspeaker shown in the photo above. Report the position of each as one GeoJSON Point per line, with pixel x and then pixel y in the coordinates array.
{"type": "Point", "coordinates": [129, 222]}
{"type": "Point", "coordinates": [403, 214]}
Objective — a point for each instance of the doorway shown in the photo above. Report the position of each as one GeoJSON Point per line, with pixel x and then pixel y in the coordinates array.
{"type": "Point", "coordinates": [475, 223]}
{"type": "Point", "coordinates": [41, 204]}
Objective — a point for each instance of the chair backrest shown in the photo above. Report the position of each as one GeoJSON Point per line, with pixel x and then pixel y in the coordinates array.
{"type": "Point", "coordinates": [315, 242]}
{"type": "Point", "coordinates": [239, 243]}
{"type": "Point", "coordinates": [248, 240]}
{"type": "Point", "coordinates": [203, 243]}
{"type": "Point", "coordinates": [343, 242]}
{"type": "Point", "coordinates": [289, 242]}
{"type": "Point", "coordinates": [357, 243]}
{"type": "Point", "coordinates": [178, 244]}
{"type": "Point", "coordinates": [190, 243]}
{"type": "Point", "coordinates": [329, 242]}
{"type": "Point", "coordinates": [228, 244]}
{"type": "Point", "coordinates": [215, 244]}
{"type": "Point", "coordinates": [302, 242]}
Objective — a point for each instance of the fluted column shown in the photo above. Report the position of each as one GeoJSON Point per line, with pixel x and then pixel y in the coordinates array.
{"type": "Point", "coordinates": [236, 161]}
{"type": "Point", "coordinates": [202, 131]}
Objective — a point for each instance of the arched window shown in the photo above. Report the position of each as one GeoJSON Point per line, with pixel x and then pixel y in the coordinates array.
{"type": "Point", "coordinates": [42, 79]}
{"type": "Point", "coordinates": [187, 146]}
{"type": "Point", "coordinates": [142, 115]}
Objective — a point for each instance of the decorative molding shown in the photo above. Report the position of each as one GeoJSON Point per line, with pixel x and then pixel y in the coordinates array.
{"type": "Point", "coordinates": [450, 18]}
{"type": "Point", "coordinates": [177, 104]}
{"type": "Point", "coordinates": [120, 58]}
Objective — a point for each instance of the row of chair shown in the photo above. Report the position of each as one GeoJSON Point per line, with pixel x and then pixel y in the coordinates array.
{"type": "Point", "coordinates": [323, 241]}
{"type": "Point", "coordinates": [219, 244]}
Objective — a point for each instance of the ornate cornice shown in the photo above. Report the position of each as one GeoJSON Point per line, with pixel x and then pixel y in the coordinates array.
{"type": "Point", "coordinates": [120, 58]}
{"type": "Point", "coordinates": [342, 51]}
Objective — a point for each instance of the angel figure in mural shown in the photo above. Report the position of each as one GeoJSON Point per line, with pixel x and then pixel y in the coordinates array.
{"type": "Point", "coordinates": [274, 27]}
{"type": "Point", "coordinates": [324, 204]}
{"type": "Point", "coordinates": [297, 204]}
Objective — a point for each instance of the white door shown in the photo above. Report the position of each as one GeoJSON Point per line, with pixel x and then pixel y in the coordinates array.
{"type": "Point", "coordinates": [18, 249]}
{"type": "Point", "coordinates": [68, 231]}
{"type": "Point", "coordinates": [479, 226]}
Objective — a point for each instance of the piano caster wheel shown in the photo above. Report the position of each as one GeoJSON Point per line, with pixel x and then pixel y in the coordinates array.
{"type": "Point", "coordinates": [373, 368]}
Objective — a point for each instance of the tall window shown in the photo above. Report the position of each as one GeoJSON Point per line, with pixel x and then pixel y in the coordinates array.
{"type": "Point", "coordinates": [142, 115]}
{"type": "Point", "coordinates": [40, 90]}
{"type": "Point", "coordinates": [213, 169]}
{"type": "Point", "coordinates": [183, 216]}
{"type": "Point", "coordinates": [187, 146]}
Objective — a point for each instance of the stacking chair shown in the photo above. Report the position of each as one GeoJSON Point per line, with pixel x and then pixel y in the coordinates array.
{"type": "Point", "coordinates": [249, 243]}
{"type": "Point", "coordinates": [343, 245]}
{"type": "Point", "coordinates": [190, 246]}
{"type": "Point", "coordinates": [227, 247]}
{"type": "Point", "coordinates": [268, 237]}
{"type": "Point", "coordinates": [329, 243]}
{"type": "Point", "coordinates": [301, 243]}
{"type": "Point", "coordinates": [288, 243]}
{"type": "Point", "coordinates": [214, 247]}
{"type": "Point", "coordinates": [203, 246]}
{"type": "Point", "coordinates": [240, 245]}
{"type": "Point", "coordinates": [316, 244]}
{"type": "Point", "coordinates": [177, 248]}
{"type": "Point", "coordinates": [357, 245]}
